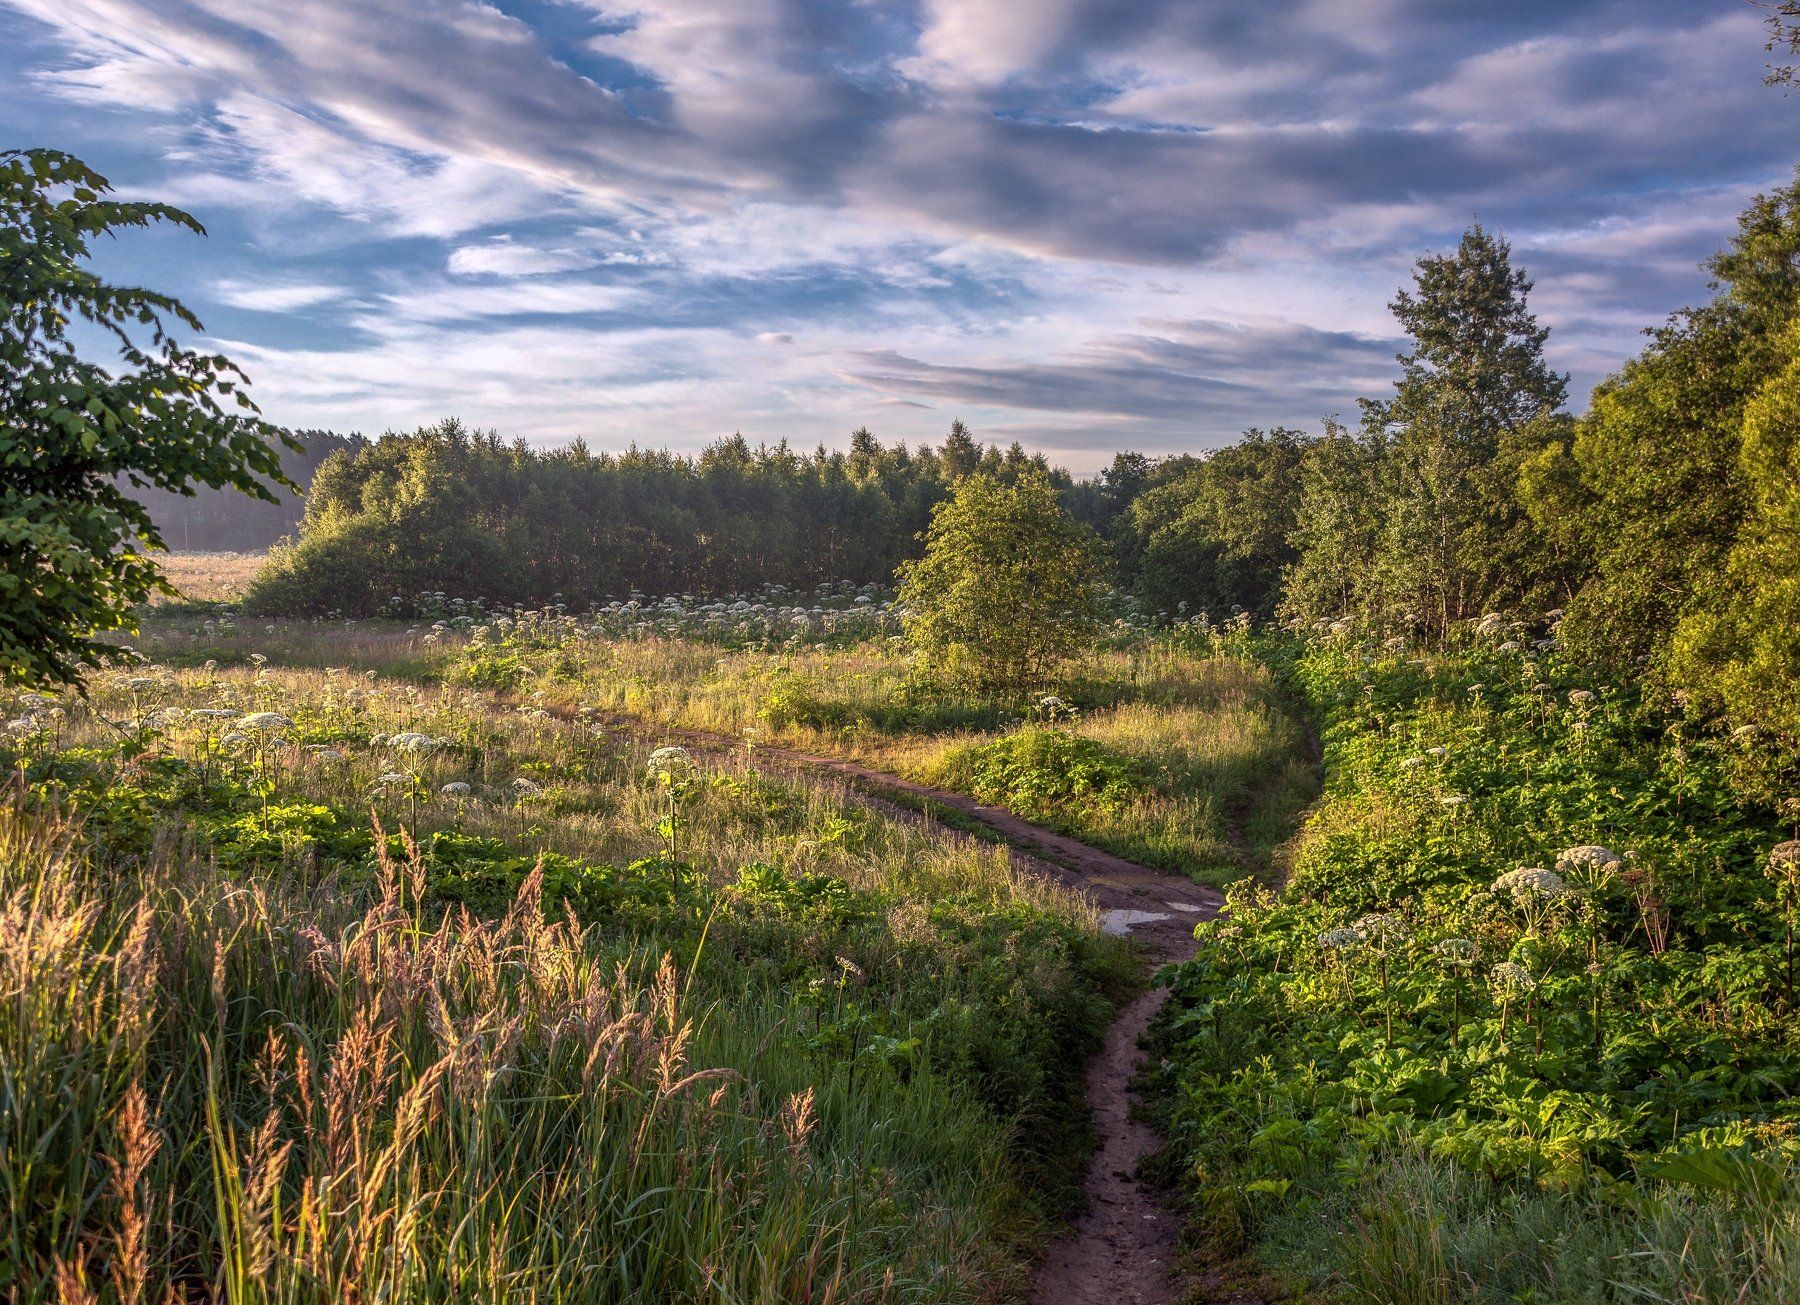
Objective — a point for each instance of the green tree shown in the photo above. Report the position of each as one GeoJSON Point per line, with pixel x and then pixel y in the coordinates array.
{"type": "Point", "coordinates": [74, 546]}
{"type": "Point", "coordinates": [1337, 525]}
{"type": "Point", "coordinates": [1008, 587]}
{"type": "Point", "coordinates": [1657, 493]}
{"type": "Point", "coordinates": [1219, 535]}
{"type": "Point", "coordinates": [1738, 649]}
{"type": "Point", "coordinates": [1472, 388]}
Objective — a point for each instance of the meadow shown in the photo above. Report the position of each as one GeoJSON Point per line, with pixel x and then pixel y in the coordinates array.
{"type": "Point", "coordinates": [1168, 744]}
{"type": "Point", "coordinates": [408, 957]}
{"type": "Point", "coordinates": [324, 985]}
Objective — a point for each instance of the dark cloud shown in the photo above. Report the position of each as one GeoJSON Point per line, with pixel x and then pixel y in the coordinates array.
{"type": "Point", "coordinates": [1201, 375]}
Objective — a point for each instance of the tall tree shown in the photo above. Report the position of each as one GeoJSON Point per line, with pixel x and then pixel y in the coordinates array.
{"type": "Point", "coordinates": [1659, 492]}
{"type": "Point", "coordinates": [1473, 382]}
{"type": "Point", "coordinates": [75, 547]}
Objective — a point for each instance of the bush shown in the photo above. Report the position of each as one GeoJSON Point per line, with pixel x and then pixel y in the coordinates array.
{"type": "Point", "coordinates": [1043, 773]}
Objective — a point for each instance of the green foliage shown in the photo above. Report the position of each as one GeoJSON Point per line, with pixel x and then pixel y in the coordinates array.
{"type": "Point", "coordinates": [1008, 588]}
{"type": "Point", "coordinates": [1044, 773]}
{"type": "Point", "coordinates": [1738, 651]}
{"type": "Point", "coordinates": [1622, 1018]}
{"type": "Point", "coordinates": [447, 506]}
{"type": "Point", "coordinates": [74, 435]}
{"type": "Point", "coordinates": [1217, 537]}
{"type": "Point", "coordinates": [1417, 522]}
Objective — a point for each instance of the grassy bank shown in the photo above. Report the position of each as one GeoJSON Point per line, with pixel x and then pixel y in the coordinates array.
{"type": "Point", "coordinates": [1519, 1026]}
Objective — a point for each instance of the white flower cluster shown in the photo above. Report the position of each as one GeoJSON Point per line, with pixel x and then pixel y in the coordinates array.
{"type": "Point", "coordinates": [1590, 861]}
{"type": "Point", "coordinates": [1379, 928]}
{"type": "Point", "coordinates": [1512, 979]}
{"type": "Point", "coordinates": [1528, 884]}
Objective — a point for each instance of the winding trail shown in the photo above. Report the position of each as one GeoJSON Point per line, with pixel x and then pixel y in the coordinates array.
{"type": "Point", "coordinates": [1124, 1249]}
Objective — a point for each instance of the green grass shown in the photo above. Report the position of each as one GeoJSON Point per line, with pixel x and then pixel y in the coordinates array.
{"type": "Point", "coordinates": [252, 1049]}
{"type": "Point", "coordinates": [1217, 748]}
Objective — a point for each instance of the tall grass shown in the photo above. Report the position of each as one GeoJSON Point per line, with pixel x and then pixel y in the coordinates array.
{"type": "Point", "coordinates": [1423, 1231]}
{"type": "Point", "coordinates": [248, 1052]}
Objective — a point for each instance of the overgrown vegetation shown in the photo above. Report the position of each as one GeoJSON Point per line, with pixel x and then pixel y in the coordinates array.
{"type": "Point", "coordinates": [497, 1040]}
{"type": "Point", "coordinates": [1532, 967]}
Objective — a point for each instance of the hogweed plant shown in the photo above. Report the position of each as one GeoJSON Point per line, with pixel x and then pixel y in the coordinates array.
{"type": "Point", "coordinates": [672, 773]}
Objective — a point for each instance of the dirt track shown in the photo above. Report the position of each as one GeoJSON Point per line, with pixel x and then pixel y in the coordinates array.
{"type": "Point", "coordinates": [1123, 1251]}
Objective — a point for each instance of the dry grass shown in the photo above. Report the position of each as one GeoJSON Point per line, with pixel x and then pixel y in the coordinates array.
{"type": "Point", "coordinates": [211, 577]}
{"type": "Point", "coordinates": [242, 1070]}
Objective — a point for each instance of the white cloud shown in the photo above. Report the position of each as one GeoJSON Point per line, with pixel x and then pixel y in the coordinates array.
{"type": "Point", "coordinates": [274, 296]}
{"type": "Point", "coordinates": [501, 257]}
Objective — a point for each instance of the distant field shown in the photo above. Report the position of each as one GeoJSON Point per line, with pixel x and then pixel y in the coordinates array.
{"type": "Point", "coordinates": [212, 577]}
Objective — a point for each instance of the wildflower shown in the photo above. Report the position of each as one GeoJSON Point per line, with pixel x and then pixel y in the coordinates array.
{"type": "Point", "coordinates": [1786, 856]}
{"type": "Point", "coordinates": [216, 713]}
{"type": "Point", "coordinates": [411, 741]}
{"type": "Point", "coordinates": [392, 777]}
{"type": "Point", "coordinates": [1412, 763]}
{"type": "Point", "coordinates": [257, 659]}
{"type": "Point", "coordinates": [670, 765]}
{"type": "Point", "coordinates": [1581, 697]}
{"type": "Point", "coordinates": [266, 720]}
{"type": "Point", "coordinates": [1456, 951]}
{"type": "Point", "coordinates": [1440, 752]}
{"type": "Point", "coordinates": [1377, 927]}
{"type": "Point", "coordinates": [1453, 800]}
{"type": "Point", "coordinates": [524, 788]}
{"type": "Point", "coordinates": [1590, 858]}
{"type": "Point", "coordinates": [327, 754]}
{"type": "Point", "coordinates": [1528, 883]}
{"type": "Point", "coordinates": [1512, 979]}
{"type": "Point", "coordinates": [1342, 938]}
{"type": "Point", "coordinates": [456, 788]}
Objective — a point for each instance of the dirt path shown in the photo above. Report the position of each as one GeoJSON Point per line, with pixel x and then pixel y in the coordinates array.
{"type": "Point", "coordinates": [1123, 1251]}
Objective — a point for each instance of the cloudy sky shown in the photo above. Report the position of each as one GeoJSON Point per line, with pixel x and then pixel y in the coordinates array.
{"type": "Point", "coordinates": [1085, 224]}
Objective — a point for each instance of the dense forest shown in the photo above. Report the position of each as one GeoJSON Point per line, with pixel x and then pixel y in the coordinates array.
{"type": "Point", "coordinates": [450, 506]}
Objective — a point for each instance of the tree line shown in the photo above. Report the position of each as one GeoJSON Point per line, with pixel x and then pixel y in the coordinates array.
{"type": "Point", "coordinates": [447, 507]}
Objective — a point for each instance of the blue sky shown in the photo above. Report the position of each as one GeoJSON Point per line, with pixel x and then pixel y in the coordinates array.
{"type": "Point", "coordinates": [1085, 224]}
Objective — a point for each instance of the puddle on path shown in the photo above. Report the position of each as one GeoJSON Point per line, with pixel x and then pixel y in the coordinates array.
{"type": "Point", "coordinates": [1120, 923]}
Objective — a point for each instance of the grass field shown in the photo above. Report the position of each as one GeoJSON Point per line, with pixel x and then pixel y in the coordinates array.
{"type": "Point", "coordinates": [340, 966]}
{"type": "Point", "coordinates": [210, 577]}
{"type": "Point", "coordinates": [1175, 751]}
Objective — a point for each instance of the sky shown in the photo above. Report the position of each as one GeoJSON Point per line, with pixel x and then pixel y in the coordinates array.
{"type": "Point", "coordinates": [1087, 225]}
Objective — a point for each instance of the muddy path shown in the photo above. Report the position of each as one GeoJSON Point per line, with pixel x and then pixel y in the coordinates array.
{"type": "Point", "coordinates": [1125, 1249]}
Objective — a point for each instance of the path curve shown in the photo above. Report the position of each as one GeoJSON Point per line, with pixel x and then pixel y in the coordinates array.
{"type": "Point", "coordinates": [1124, 1249]}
